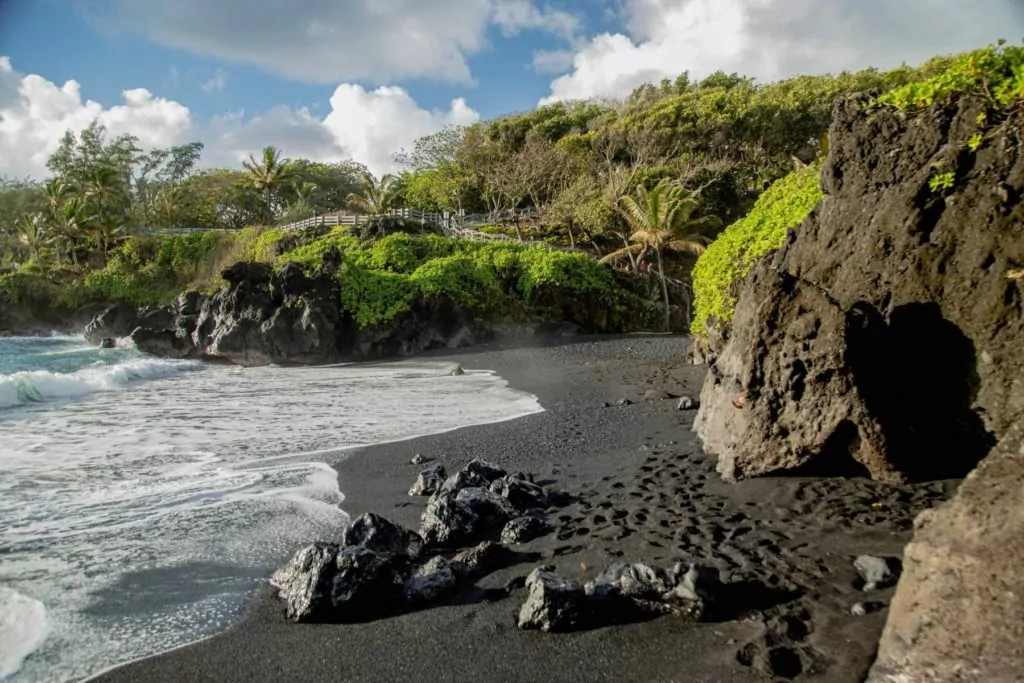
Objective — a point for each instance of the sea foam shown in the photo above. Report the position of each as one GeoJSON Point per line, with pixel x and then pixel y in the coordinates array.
{"type": "Point", "coordinates": [22, 629]}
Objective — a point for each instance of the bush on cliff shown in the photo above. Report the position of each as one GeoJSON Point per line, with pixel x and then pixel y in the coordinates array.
{"type": "Point", "coordinates": [994, 73]}
{"type": "Point", "coordinates": [730, 257]}
{"type": "Point", "coordinates": [381, 281]}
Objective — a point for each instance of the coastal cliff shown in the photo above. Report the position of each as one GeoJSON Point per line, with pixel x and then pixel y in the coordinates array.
{"type": "Point", "coordinates": [884, 340]}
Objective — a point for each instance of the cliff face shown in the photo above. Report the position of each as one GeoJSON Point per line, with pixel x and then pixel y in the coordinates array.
{"type": "Point", "coordinates": [886, 338]}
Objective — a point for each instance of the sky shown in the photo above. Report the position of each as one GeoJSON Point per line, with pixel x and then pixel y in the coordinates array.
{"type": "Point", "coordinates": [362, 79]}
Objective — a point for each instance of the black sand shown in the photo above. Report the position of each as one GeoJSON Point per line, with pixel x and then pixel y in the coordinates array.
{"type": "Point", "coordinates": [645, 492]}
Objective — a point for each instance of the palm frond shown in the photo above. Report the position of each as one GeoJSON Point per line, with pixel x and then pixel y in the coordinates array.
{"type": "Point", "coordinates": [615, 255]}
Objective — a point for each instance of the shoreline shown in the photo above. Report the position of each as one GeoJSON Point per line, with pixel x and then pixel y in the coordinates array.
{"type": "Point", "coordinates": [640, 461]}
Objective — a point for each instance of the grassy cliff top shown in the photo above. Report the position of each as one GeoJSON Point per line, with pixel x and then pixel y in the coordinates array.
{"type": "Point", "coordinates": [995, 73]}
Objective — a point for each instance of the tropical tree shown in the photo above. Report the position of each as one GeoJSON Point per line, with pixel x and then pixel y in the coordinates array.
{"type": "Point", "coordinates": [304, 192]}
{"type": "Point", "coordinates": [107, 228]}
{"type": "Point", "coordinates": [32, 233]}
{"type": "Point", "coordinates": [376, 196]}
{"type": "Point", "coordinates": [662, 220]}
{"type": "Point", "coordinates": [69, 226]}
{"type": "Point", "coordinates": [268, 174]}
{"type": "Point", "coordinates": [105, 188]}
{"type": "Point", "coordinates": [56, 191]}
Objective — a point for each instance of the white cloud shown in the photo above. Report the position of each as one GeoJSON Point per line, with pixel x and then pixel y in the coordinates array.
{"type": "Point", "coordinates": [374, 125]}
{"type": "Point", "coordinates": [772, 39]}
{"type": "Point", "coordinates": [514, 16]}
{"type": "Point", "coordinates": [34, 113]}
{"type": "Point", "coordinates": [217, 83]}
{"type": "Point", "coordinates": [369, 126]}
{"type": "Point", "coordinates": [321, 41]}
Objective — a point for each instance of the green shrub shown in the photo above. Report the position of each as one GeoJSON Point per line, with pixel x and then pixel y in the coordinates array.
{"type": "Point", "coordinates": [374, 297]}
{"type": "Point", "coordinates": [995, 73]}
{"type": "Point", "coordinates": [312, 255]}
{"type": "Point", "coordinates": [121, 280]}
{"type": "Point", "coordinates": [730, 257]}
{"type": "Point", "coordinates": [573, 271]}
{"type": "Point", "coordinates": [461, 279]}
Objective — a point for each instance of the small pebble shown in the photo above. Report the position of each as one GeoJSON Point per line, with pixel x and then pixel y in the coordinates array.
{"type": "Point", "coordinates": [418, 459]}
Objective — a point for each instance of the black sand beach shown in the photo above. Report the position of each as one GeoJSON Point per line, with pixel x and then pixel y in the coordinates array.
{"type": "Point", "coordinates": [644, 491]}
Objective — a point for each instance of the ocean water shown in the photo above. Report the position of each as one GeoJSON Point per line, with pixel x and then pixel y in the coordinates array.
{"type": "Point", "coordinates": [143, 500]}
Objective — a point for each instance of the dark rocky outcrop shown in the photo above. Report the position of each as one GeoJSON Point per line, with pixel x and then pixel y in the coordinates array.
{"type": "Point", "coordinates": [622, 593]}
{"type": "Point", "coordinates": [263, 316]}
{"type": "Point", "coordinates": [958, 613]}
{"type": "Point", "coordinates": [478, 499]}
{"type": "Point", "coordinates": [429, 481]}
{"type": "Point", "coordinates": [380, 568]}
{"type": "Point", "coordinates": [116, 321]}
{"type": "Point", "coordinates": [523, 530]}
{"type": "Point", "coordinates": [883, 339]}
{"type": "Point", "coordinates": [362, 578]}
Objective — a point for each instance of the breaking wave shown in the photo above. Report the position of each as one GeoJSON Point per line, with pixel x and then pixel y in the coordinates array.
{"type": "Point", "coordinates": [41, 386]}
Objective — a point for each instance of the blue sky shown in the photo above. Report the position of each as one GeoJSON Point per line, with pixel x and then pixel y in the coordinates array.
{"type": "Point", "coordinates": [332, 79]}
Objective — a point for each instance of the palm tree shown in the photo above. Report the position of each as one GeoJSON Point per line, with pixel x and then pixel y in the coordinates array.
{"type": "Point", "coordinates": [104, 186]}
{"type": "Point", "coordinates": [268, 174]}
{"type": "Point", "coordinates": [56, 192]}
{"type": "Point", "coordinates": [303, 195]}
{"type": "Point", "coordinates": [107, 229]}
{"type": "Point", "coordinates": [662, 219]}
{"type": "Point", "coordinates": [378, 196]}
{"type": "Point", "coordinates": [32, 233]}
{"type": "Point", "coordinates": [69, 224]}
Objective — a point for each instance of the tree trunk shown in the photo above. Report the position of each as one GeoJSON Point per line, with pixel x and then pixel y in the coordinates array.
{"type": "Point", "coordinates": [270, 210]}
{"type": "Point", "coordinates": [664, 291]}
{"type": "Point", "coordinates": [572, 240]}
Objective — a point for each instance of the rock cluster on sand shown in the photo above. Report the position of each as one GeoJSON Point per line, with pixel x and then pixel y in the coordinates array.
{"type": "Point", "coordinates": [381, 567]}
{"type": "Point", "coordinates": [620, 594]}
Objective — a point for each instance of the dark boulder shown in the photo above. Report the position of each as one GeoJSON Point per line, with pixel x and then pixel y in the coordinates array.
{"type": "Point", "coordinates": [373, 532]}
{"type": "Point", "coordinates": [481, 559]}
{"type": "Point", "coordinates": [163, 343]}
{"type": "Point", "coordinates": [430, 581]}
{"type": "Point", "coordinates": [490, 509]}
{"type": "Point", "coordinates": [520, 492]}
{"type": "Point", "coordinates": [367, 583]}
{"type": "Point", "coordinates": [305, 583]}
{"type": "Point", "coordinates": [552, 604]}
{"type": "Point", "coordinates": [429, 481]}
{"type": "Point", "coordinates": [523, 530]}
{"type": "Point", "coordinates": [117, 321]}
{"type": "Point", "coordinates": [622, 593]}
{"type": "Point", "coordinates": [644, 590]}
{"type": "Point", "coordinates": [445, 522]}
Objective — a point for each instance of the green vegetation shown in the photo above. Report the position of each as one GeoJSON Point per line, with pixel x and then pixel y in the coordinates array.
{"type": "Point", "coordinates": [940, 182]}
{"type": "Point", "coordinates": [384, 279]}
{"type": "Point", "coordinates": [730, 257]}
{"type": "Point", "coordinates": [662, 221]}
{"type": "Point", "coordinates": [638, 187]}
{"type": "Point", "coordinates": [995, 73]}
